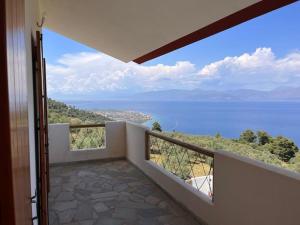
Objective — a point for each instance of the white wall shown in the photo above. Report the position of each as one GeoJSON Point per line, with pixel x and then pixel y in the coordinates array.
{"type": "Point", "coordinates": [59, 146]}
{"type": "Point", "coordinates": [249, 192]}
{"type": "Point", "coordinates": [246, 192]}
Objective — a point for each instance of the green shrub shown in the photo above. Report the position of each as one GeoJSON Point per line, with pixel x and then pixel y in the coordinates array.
{"type": "Point", "coordinates": [156, 126]}
{"type": "Point", "coordinates": [248, 136]}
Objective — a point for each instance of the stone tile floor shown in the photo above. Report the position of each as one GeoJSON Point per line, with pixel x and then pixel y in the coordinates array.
{"type": "Point", "coordinates": [109, 193]}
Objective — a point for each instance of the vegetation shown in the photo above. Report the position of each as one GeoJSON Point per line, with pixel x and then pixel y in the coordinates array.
{"type": "Point", "coordinates": [248, 136]}
{"type": "Point", "coordinates": [156, 126]}
{"type": "Point", "coordinates": [182, 162]}
{"type": "Point", "coordinates": [87, 138]}
{"type": "Point", "coordinates": [263, 137]}
{"type": "Point", "coordinates": [80, 138]}
{"type": "Point", "coordinates": [279, 151]}
{"type": "Point", "coordinates": [218, 135]}
{"type": "Point", "coordinates": [295, 162]}
{"type": "Point", "coordinates": [59, 112]}
{"type": "Point", "coordinates": [284, 148]}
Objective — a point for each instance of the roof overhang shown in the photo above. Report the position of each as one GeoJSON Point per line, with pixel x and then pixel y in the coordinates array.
{"type": "Point", "coordinates": [140, 30]}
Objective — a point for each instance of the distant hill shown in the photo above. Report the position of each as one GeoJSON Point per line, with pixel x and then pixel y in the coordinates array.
{"type": "Point", "coordinates": [59, 112]}
{"type": "Point", "coordinates": [279, 94]}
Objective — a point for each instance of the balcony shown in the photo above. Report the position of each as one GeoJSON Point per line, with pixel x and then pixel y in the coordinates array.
{"type": "Point", "coordinates": [112, 192]}
{"type": "Point", "coordinates": [135, 176]}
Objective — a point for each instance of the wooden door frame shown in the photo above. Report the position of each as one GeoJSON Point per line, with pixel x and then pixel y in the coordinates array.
{"type": "Point", "coordinates": [6, 204]}
{"type": "Point", "coordinates": [15, 204]}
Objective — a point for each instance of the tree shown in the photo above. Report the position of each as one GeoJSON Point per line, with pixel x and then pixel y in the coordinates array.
{"type": "Point", "coordinates": [218, 135]}
{"type": "Point", "coordinates": [156, 126]}
{"type": "Point", "coordinates": [296, 162]}
{"type": "Point", "coordinates": [263, 137]}
{"type": "Point", "coordinates": [248, 136]}
{"type": "Point", "coordinates": [284, 148]}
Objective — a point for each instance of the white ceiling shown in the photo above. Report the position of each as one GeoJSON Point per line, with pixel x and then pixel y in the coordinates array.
{"type": "Point", "coordinates": [128, 29]}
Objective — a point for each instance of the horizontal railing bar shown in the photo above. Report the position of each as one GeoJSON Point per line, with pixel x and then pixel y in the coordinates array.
{"type": "Point", "coordinates": [192, 147]}
{"type": "Point", "coordinates": [87, 125]}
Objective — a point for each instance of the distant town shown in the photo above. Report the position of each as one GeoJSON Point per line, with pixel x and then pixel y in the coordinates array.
{"type": "Point", "coordinates": [117, 115]}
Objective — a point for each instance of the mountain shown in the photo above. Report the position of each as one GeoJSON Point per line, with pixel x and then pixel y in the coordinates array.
{"type": "Point", "coordinates": [278, 94]}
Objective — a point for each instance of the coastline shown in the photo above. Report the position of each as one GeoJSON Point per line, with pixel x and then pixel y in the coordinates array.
{"type": "Point", "coordinates": [127, 115]}
{"type": "Point", "coordinates": [227, 118]}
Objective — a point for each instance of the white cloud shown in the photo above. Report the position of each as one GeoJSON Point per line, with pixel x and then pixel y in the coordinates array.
{"type": "Point", "coordinates": [92, 72]}
{"type": "Point", "coordinates": [85, 73]}
{"type": "Point", "coordinates": [259, 70]}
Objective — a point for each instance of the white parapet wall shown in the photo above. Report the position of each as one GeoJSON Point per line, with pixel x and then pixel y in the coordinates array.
{"type": "Point", "coordinates": [59, 144]}
{"type": "Point", "coordinates": [246, 192]}
{"type": "Point", "coordinates": [251, 192]}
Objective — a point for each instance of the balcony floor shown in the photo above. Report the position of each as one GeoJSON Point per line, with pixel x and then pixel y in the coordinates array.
{"type": "Point", "coordinates": [109, 193]}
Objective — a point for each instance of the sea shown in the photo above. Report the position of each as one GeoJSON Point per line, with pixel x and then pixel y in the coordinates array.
{"type": "Point", "coordinates": [209, 118]}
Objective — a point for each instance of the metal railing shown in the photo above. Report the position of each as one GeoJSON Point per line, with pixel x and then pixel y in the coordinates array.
{"type": "Point", "coordinates": [191, 163]}
{"type": "Point", "coordinates": [87, 136]}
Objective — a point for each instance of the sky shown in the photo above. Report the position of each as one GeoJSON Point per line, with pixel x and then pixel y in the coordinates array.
{"type": "Point", "coordinates": [260, 54]}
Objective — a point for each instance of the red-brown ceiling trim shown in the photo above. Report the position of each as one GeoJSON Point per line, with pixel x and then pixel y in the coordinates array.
{"type": "Point", "coordinates": [241, 16]}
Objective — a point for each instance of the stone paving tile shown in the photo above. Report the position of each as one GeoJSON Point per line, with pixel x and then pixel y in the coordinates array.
{"type": "Point", "coordinates": [109, 193]}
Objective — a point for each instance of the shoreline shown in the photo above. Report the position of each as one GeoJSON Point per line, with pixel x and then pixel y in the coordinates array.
{"type": "Point", "coordinates": [127, 115]}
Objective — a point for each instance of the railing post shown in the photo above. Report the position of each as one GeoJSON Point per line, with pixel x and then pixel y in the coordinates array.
{"type": "Point", "coordinates": [147, 146]}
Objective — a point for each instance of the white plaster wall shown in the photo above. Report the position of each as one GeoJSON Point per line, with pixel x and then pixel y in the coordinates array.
{"type": "Point", "coordinates": [31, 17]}
{"type": "Point", "coordinates": [246, 192]}
{"type": "Point", "coordinates": [250, 192]}
{"type": "Point", "coordinates": [59, 146]}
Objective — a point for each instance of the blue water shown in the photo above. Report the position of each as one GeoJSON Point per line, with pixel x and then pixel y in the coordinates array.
{"type": "Point", "coordinates": [208, 118]}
